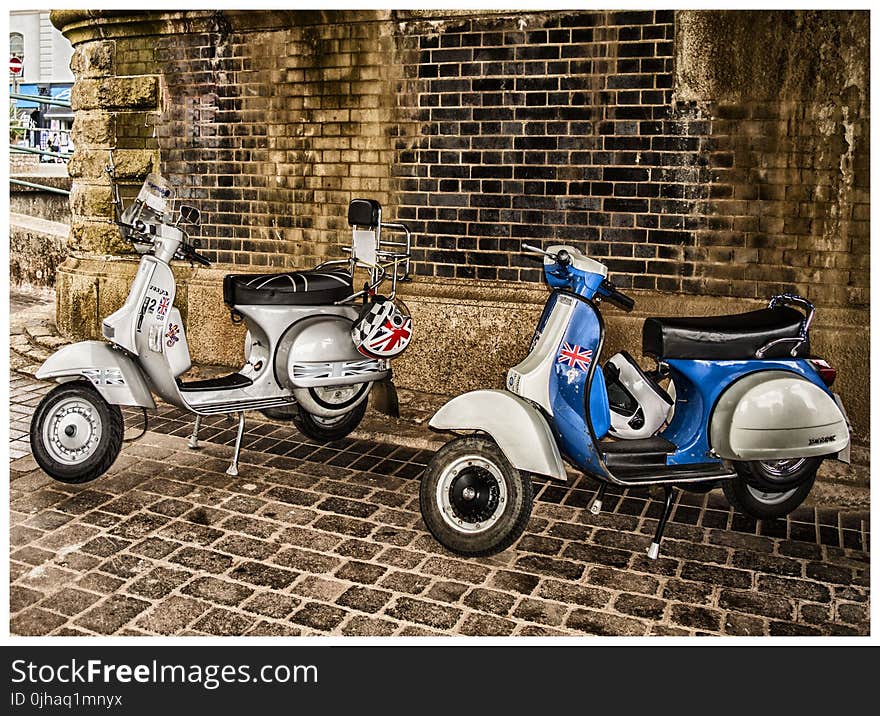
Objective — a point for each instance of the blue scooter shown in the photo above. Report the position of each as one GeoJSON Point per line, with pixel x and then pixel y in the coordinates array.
{"type": "Point", "coordinates": [744, 406]}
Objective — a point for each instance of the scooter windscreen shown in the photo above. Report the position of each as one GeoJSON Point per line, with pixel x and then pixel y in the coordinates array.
{"type": "Point", "coordinates": [639, 407]}
{"type": "Point", "coordinates": [154, 204]}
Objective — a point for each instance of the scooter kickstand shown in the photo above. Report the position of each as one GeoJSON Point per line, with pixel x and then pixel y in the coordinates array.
{"type": "Point", "coordinates": [194, 438]}
{"type": "Point", "coordinates": [233, 468]}
{"type": "Point", "coordinates": [654, 548]}
{"type": "Point", "coordinates": [596, 504]}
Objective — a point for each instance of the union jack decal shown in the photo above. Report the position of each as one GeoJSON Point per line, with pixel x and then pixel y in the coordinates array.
{"type": "Point", "coordinates": [574, 356]}
{"type": "Point", "coordinates": [164, 305]}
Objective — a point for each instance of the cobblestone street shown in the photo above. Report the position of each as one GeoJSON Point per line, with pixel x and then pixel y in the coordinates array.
{"type": "Point", "coordinates": [328, 540]}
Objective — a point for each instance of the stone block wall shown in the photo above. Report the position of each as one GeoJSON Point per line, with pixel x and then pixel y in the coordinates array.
{"type": "Point", "coordinates": [711, 159]}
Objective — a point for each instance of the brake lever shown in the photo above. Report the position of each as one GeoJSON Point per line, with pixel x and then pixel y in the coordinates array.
{"type": "Point", "coordinates": [538, 250]}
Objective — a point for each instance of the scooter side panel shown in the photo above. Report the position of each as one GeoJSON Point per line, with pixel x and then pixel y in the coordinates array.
{"type": "Point", "coordinates": [115, 376]}
{"type": "Point", "coordinates": [772, 415]}
{"type": "Point", "coordinates": [518, 428]}
{"type": "Point", "coordinates": [317, 350]}
{"type": "Point", "coordinates": [698, 385]}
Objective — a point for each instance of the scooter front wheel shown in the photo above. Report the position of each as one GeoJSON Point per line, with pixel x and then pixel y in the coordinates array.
{"type": "Point", "coordinates": [473, 501]}
{"type": "Point", "coordinates": [75, 434]}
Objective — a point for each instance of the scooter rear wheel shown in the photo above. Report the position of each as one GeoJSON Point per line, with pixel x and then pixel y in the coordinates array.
{"type": "Point", "coordinates": [326, 430]}
{"type": "Point", "coordinates": [472, 499]}
{"type": "Point", "coordinates": [769, 490]}
{"type": "Point", "coordinates": [75, 434]}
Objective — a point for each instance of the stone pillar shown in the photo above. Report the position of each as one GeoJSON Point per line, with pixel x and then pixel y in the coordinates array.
{"type": "Point", "coordinates": [99, 98]}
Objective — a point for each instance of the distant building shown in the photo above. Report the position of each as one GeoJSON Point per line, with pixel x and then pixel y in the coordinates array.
{"type": "Point", "coordinates": [45, 54]}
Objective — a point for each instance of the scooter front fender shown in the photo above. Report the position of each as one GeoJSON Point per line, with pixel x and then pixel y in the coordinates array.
{"type": "Point", "coordinates": [514, 424]}
{"type": "Point", "coordinates": [115, 376]}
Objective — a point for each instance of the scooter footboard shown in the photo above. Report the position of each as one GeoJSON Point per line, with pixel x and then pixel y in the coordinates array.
{"type": "Point", "coordinates": [115, 376]}
{"type": "Point", "coordinates": [515, 425]}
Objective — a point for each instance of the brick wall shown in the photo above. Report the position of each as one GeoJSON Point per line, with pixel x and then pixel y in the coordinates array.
{"type": "Point", "coordinates": [271, 133]}
{"type": "Point", "coordinates": [567, 128]}
{"type": "Point", "coordinates": [487, 131]}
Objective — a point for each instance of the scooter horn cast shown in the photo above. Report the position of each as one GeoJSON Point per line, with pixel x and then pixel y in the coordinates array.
{"type": "Point", "coordinates": [745, 408]}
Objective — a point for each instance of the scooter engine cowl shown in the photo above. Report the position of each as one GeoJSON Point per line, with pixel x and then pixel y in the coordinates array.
{"type": "Point", "coordinates": [318, 351]}
{"type": "Point", "coordinates": [773, 415]}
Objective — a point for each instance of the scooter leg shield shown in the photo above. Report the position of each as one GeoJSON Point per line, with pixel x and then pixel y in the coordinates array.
{"type": "Point", "coordinates": [115, 376]}
{"type": "Point", "coordinates": [515, 425]}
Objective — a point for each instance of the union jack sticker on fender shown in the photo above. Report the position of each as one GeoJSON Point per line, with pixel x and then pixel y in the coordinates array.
{"type": "Point", "coordinates": [574, 356]}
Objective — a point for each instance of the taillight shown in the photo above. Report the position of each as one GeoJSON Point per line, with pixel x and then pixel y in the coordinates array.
{"type": "Point", "coordinates": [826, 372]}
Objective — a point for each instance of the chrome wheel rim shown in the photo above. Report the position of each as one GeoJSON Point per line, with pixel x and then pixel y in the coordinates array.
{"type": "Point", "coordinates": [782, 468]}
{"type": "Point", "coordinates": [471, 494]}
{"type": "Point", "coordinates": [779, 469]}
{"type": "Point", "coordinates": [72, 431]}
{"type": "Point", "coordinates": [337, 394]}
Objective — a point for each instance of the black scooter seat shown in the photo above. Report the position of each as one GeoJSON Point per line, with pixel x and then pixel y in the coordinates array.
{"type": "Point", "coordinates": [292, 288]}
{"type": "Point", "coordinates": [736, 337]}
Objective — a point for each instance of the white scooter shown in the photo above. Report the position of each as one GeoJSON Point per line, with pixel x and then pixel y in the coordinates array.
{"type": "Point", "coordinates": [301, 362]}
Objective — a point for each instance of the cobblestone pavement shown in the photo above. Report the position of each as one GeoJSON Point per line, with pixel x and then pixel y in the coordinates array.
{"type": "Point", "coordinates": [316, 539]}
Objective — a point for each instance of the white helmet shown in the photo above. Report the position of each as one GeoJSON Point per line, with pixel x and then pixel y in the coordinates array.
{"type": "Point", "coordinates": [639, 406]}
{"type": "Point", "coordinates": [383, 329]}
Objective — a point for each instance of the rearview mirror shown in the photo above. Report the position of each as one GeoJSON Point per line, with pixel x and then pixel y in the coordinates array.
{"type": "Point", "coordinates": [190, 215]}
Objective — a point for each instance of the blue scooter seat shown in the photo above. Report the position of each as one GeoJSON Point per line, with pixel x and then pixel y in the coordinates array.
{"type": "Point", "coordinates": [735, 337]}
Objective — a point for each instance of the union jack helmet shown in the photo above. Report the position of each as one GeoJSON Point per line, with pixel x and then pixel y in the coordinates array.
{"type": "Point", "coordinates": [383, 329]}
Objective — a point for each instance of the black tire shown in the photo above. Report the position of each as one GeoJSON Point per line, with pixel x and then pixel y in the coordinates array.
{"type": "Point", "coordinates": [327, 430]}
{"type": "Point", "coordinates": [288, 413]}
{"type": "Point", "coordinates": [509, 516]}
{"type": "Point", "coordinates": [100, 456]}
{"type": "Point", "coordinates": [757, 492]}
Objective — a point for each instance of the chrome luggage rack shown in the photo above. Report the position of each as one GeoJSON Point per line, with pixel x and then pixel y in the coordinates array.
{"type": "Point", "coordinates": [791, 299]}
{"type": "Point", "coordinates": [383, 259]}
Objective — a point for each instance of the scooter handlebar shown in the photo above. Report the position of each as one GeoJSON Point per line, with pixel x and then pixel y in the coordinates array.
{"type": "Point", "coordinates": [563, 258]}
{"type": "Point", "coordinates": [619, 299]}
{"type": "Point", "coordinates": [190, 254]}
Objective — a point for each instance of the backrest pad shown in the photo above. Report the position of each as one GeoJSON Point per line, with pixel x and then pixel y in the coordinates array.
{"type": "Point", "coordinates": [364, 212]}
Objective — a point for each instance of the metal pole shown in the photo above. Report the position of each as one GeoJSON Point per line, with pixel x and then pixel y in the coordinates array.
{"type": "Point", "coordinates": [39, 186]}
{"type": "Point", "coordinates": [39, 99]}
{"type": "Point", "coordinates": [31, 150]}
